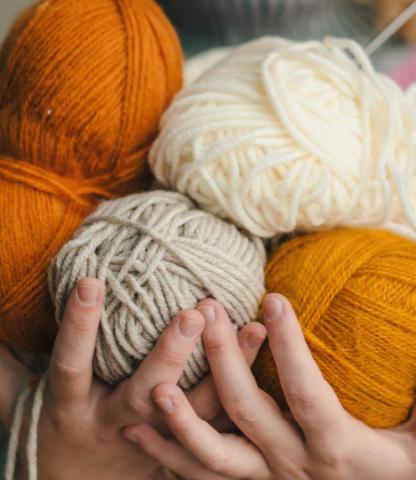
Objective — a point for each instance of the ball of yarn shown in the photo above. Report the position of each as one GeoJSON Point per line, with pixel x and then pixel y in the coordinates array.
{"type": "Point", "coordinates": [82, 88]}
{"type": "Point", "coordinates": [283, 136]}
{"type": "Point", "coordinates": [354, 292]}
{"type": "Point", "coordinates": [197, 65]}
{"type": "Point", "coordinates": [157, 254]}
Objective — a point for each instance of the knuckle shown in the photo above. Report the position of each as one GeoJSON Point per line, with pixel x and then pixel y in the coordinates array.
{"type": "Point", "coordinates": [167, 356]}
{"type": "Point", "coordinates": [302, 399]}
{"type": "Point", "coordinates": [59, 420]}
{"type": "Point", "coordinates": [215, 348]}
{"type": "Point", "coordinates": [216, 463]}
{"type": "Point", "coordinates": [241, 411]}
{"type": "Point", "coordinates": [335, 460]}
{"type": "Point", "coordinates": [60, 417]}
{"type": "Point", "coordinates": [136, 405]}
{"type": "Point", "coordinates": [67, 374]}
{"type": "Point", "coordinates": [80, 320]}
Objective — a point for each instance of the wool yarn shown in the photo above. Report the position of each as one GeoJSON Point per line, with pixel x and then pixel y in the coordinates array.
{"type": "Point", "coordinates": [283, 136]}
{"type": "Point", "coordinates": [197, 65]}
{"type": "Point", "coordinates": [157, 254]}
{"type": "Point", "coordinates": [33, 427]}
{"type": "Point", "coordinates": [82, 88]}
{"type": "Point", "coordinates": [354, 292]}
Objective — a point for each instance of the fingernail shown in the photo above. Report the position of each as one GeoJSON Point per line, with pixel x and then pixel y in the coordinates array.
{"type": "Point", "coordinates": [189, 327]}
{"type": "Point", "coordinates": [272, 307]}
{"type": "Point", "coordinates": [88, 294]}
{"type": "Point", "coordinates": [253, 341]}
{"type": "Point", "coordinates": [136, 435]}
{"type": "Point", "coordinates": [208, 313]}
{"type": "Point", "coordinates": [131, 437]}
{"type": "Point", "coordinates": [165, 404]}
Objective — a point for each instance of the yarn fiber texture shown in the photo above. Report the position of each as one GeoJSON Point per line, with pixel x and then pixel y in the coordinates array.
{"type": "Point", "coordinates": [157, 254]}
{"type": "Point", "coordinates": [197, 65]}
{"type": "Point", "coordinates": [354, 292]}
{"type": "Point", "coordinates": [82, 87]}
{"type": "Point", "coordinates": [283, 136]}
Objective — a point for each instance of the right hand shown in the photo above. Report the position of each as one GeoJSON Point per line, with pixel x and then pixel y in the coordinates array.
{"type": "Point", "coordinates": [82, 419]}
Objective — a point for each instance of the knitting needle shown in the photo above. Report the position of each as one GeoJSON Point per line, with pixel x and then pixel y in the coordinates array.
{"type": "Point", "coordinates": [390, 29]}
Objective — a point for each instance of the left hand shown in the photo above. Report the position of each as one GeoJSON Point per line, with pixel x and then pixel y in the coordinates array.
{"type": "Point", "coordinates": [318, 441]}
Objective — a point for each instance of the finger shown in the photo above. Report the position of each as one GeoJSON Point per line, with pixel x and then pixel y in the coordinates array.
{"type": "Point", "coordinates": [254, 412]}
{"type": "Point", "coordinates": [169, 454]}
{"type": "Point", "coordinates": [204, 398]}
{"type": "Point", "coordinates": [131, 402]}
{"type": "Point", "coordinates": [227, 455]}
{"type": "Point", "coordinates": [70, 371]}
{"type": "Point", "coordinates": [311, 400]}
{"type": "Point", "coordinates": [250, 339]}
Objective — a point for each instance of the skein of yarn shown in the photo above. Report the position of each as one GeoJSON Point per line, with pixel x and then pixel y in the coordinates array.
{"type": "Point", "coordinates": [82, 87]}
{"type": "Point", "coordinates": [354, 292]}
{"type": "Point", "coordinates": [283, 136]}
{"type": "Point", "coordinates": [157, 254]}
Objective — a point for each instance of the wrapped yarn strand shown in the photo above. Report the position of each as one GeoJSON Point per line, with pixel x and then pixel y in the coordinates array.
{"type": "Point", "coordinates": [354, 291]}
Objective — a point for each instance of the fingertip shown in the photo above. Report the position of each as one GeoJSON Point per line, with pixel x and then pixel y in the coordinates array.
{"type": "Point", "coordinates": [253, 328]}
{"type": "Point", "coordinates": [140, 433]}
{"type": "Point", "coordinates": [166, 389]}
{"type": "Point", "coordinates": [190, 322]}
{"type": "Point", "coordinates": [214, 314]}
{"type": "Point", "coordinates": [275, 308]}
{"type": "Point", "coordinates": [209, 302]}
{"type": "Point", "coordinates": [167, 397]}
{"type": "Point", "coordinates": [252, 336]}
{"type": "Point", "coordinates": [88, 292]}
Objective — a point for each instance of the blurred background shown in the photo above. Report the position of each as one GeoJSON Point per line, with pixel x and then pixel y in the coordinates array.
{"type": "Point", "coordinates": [203, 24]}
{"type": "Point", "coordinates": [8, 11]}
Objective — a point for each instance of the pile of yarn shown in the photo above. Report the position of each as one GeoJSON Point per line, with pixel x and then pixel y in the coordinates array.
{"type": "Point", "coordinates": [354, 292]}
{"type": "Point", "coordinates": [283, 136]}
{"type": "Point", "coordinates": [295, 137]}
{"type": "Point", "coordinates": [157, 254]}
{"type": "Point", "coordinates": [277, 137]}
{"type": "Point", "coordinates": [82, 88]}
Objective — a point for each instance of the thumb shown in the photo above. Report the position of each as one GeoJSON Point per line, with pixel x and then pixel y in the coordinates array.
{"type": "Point", "coordinates": [14, 377]}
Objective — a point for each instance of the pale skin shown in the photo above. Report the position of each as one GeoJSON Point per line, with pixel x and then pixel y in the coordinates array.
{"type": "Point", "coordinates": [82, 420]}
{"type": "Point", "coordinates": [319, 440]}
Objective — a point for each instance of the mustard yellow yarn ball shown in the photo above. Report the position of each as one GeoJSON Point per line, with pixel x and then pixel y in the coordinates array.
{"type": "Point", "coordinates": [354, 292]}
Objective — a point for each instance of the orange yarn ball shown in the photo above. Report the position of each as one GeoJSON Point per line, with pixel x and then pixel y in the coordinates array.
{"type": "Point", "coordinates": [82, 87]}
{"type": "Point", "coordinates": [354, 292]}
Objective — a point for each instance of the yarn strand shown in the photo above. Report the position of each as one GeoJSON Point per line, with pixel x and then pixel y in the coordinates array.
{"type": "Point", "coordinates": [32, 441]}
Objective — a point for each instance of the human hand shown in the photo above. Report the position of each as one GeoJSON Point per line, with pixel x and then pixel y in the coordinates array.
{"type": "Point", "coordinates": [319, 440]}
{"type": "Point", "coordinates": [81, 420]}
{"type": "Point", "coordinates": [14, 377]}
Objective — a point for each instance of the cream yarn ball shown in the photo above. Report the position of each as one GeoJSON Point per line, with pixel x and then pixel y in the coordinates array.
{"type": "Point", "coordinates": [199, 64]}
{"type": "Point", "coordinates": [283, 136]}
{"type": "Point", "coordinates": [157, 254]}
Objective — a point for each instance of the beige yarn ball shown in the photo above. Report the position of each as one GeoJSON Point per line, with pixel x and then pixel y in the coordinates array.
{"type": "Point", "coordinates": [157, 254]}
{"type": "Point", "coordinates": [282, 136]}
{"type": "Point", "coordinates": [199, 64]}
